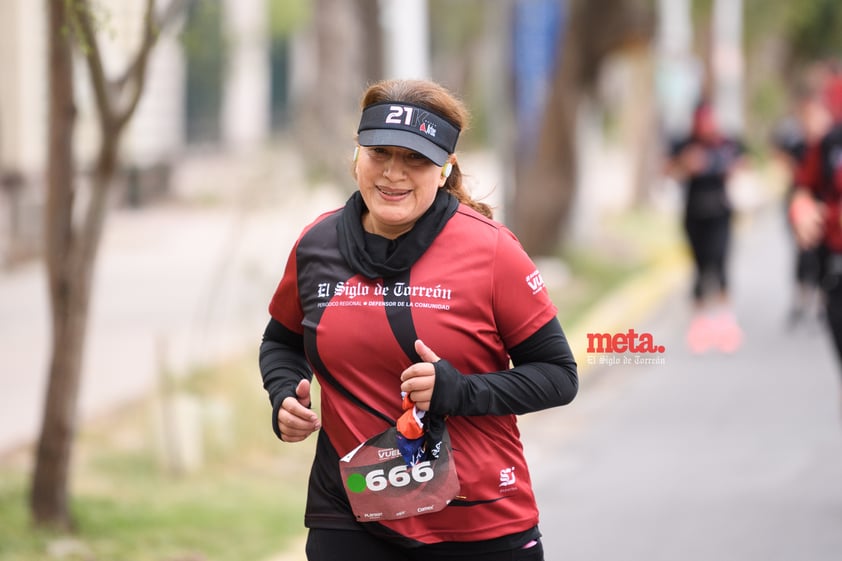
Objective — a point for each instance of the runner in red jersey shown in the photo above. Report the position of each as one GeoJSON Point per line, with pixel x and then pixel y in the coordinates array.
{"type": "Point", "coordinates": [411, 287]}
{"type": "Point", "coordinates": [796, 142]}
{"type": "Point", "coordinates": [816, 208]}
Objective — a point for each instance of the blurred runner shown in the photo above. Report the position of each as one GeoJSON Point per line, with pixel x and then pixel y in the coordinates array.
{"type": "Point", "coordinates": [816, 208]}
{"type": "Point", "coordinates": [805, 128]}
{"type": "Point", "coordinates": [703, 163]}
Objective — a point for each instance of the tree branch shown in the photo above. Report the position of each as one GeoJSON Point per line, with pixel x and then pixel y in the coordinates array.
{"type": "Point", "coordinates": [136, 71]}
{"type": "Point", "coordinates": [114, 114]}
{"type": "Point", "coordinates": [114, 117]}
{"type": "Point", "coordinates": [174, 9]}
{"type": "Point", "coordinates": [80, 15]}
{"type": "Point", "coordinates": [137, 77]}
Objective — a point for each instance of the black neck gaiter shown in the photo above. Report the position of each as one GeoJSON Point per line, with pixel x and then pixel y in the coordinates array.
{"type": "Point", "coordinates": [408, 248]}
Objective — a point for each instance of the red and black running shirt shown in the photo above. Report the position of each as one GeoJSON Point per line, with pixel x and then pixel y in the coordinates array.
{"type": "Point", "coordinates": [820, 172]}
{"type": "Point", "coordinates": [473, 294]}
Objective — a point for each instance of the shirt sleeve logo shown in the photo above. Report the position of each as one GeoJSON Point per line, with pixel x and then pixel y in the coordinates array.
{"type": "Point", "coordinates": [535, 281]}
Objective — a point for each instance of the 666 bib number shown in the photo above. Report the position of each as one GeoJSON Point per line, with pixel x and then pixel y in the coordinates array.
{"type": "Point", "coordinates": [398, 476]}
{"type": "Point", "coordinates": [380, 486]}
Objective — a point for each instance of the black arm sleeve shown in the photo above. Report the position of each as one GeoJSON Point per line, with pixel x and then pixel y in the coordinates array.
{"type": "Point", "coordinates": [544, 375]}
{"type": "Point", "coordinates": [282, 365]}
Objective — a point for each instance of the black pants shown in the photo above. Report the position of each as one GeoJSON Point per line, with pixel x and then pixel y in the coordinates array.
{"type": "Point", "coordinates": [709, 238]}
{"type": "Point", "coordinates": [349, 545]}
{"type": "Point", "coordinates": [807, 267]}
{"type": "Point", "coordinates": [832, 285]}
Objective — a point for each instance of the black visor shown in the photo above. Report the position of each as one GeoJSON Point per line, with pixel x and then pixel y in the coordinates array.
{"type": "Point", "coordinates": [393, 123]}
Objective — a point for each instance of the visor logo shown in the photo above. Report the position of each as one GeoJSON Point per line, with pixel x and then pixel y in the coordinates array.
{"type": "Point", "coordinates": [428, 128]}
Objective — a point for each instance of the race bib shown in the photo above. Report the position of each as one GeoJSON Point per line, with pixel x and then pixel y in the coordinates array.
{"type": "Point", "coordinates": [381, 486]}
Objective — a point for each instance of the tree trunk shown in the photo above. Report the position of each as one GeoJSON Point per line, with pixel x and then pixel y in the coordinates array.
{"type": "Point", "coordinates": [368, 15]}
{"type": "Point", "coordinates": [643, 134]}
{"type": "Point", "coordinates": [71, 250]}
{"type": "Point", "coordinates": [327, 120]}
{"type": "Point", "coordinates": [546, 179]}
{"type": "Point", "coordinates": [49, 486]}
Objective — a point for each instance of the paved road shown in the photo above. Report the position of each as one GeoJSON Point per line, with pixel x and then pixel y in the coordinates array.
{"type": "Point", "coordinates": [704, 457]}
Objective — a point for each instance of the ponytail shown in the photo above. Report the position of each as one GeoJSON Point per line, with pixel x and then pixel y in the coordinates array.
{"type": "Point", "coordinates": [456, 187]}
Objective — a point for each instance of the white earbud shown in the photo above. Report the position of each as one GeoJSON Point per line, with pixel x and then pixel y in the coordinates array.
{"type": "Point", "coordinates": [445, 172]}
{"type": "Point", "coordinates": [356, 153]}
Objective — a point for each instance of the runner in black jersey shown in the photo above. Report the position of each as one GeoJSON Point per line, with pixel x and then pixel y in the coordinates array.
{"type": "Point", "coordinates": [703, 163]}
{"type": "Point", "coordinates": [412, 287]}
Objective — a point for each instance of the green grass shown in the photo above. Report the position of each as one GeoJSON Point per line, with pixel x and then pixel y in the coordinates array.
{"type": "Point", "coordinates": [230, 519]}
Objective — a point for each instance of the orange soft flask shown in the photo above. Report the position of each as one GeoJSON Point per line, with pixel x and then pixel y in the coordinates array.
{"type": "Point", "coordinates": [411, 434]}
